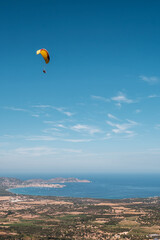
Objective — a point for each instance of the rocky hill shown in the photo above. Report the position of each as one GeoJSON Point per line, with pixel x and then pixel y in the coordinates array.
{"type": "Point", "coordinates": [53, 180]}
{"type": "Point", "coordinates": [9, 182]}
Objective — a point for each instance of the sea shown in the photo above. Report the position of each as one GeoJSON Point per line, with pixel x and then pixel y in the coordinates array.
{"type": "Point", "coordinates": [102, 186]}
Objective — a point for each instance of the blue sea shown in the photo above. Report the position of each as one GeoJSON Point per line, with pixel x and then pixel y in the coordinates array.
{"type": "Point", "coordinates": [104, 186]}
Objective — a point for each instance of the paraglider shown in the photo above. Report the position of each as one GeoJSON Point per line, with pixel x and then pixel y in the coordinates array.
{"type": "Point", "coordinates": [45, 55]}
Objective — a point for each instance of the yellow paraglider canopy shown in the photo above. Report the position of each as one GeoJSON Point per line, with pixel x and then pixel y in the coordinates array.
{"type": "Point", "coordinates": [44, 54]}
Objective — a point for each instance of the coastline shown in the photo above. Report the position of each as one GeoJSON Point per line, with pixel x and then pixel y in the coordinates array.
{"type": "Point", "coordinates": [38, 186]}
{"type": "Point", "coordinates": [110, 187]}
{"type": "Point", "coordinates": [55, 183]}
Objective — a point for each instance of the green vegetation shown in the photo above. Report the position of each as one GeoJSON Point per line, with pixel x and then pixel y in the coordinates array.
{"type": "Point", "coordinates": [60, 218]}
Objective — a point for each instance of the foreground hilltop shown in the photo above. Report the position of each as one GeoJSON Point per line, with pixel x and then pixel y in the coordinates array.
{"type": "Point", "coordinates": [36, 217]}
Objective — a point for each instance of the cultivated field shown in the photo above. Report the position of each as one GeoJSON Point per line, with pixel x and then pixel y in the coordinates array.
{"type": "Point", "coordinates": [36, 218]}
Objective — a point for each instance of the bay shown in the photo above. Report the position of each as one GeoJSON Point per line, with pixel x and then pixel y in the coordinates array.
{"type": "Point", "coordinates": [107, 186]}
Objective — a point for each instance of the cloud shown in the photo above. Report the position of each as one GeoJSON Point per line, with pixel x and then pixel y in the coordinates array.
{"type": "Point", "coordinates": [77, 140]}
{"type": "Point", "coordinates": [35, 151]}
{"type": "Point", "coordinates": [51, 130]}
{"type": "Point", "coordinates": [60, 126]}
{"type": "Point", "coordinates": [50, 122]}
{"type": "Point", "coordinates": [35, 115]}
{"type": "Point", "coordinates": [85, 128]}
{"type": "Point", "coordinates": [132, 122]}
{"type": "Point", "coordinates": [150, 80]}
{"type": "Point", "coordinates": [42, 151]}
{"type": "Point", "coordinates": [57, 137]}
{"type": "Point", "coordinates": [56, 124]}
{"type": "Point", "coordinates": [7, 136]}
{"type": "Point", "coordinates": [138, 111]}
{"type": "Point", "coordinates": [56, 127]}
{"type": "Point", "coordinates": [121, 98]}
{"type": "Point", "coordinates": [69, 114]}
{"type": "Point", "coordinates": [153, 96]}
{"type": "Point", "coordinates": [59, 109]}
{"type": "Point", "coordinates": [40, 138]}
{"type": "Point", "coordinates": [119, 105]}
{"type": "Point", "coordinates": [100, 98]}
{"type": "Point", "coordinates": [107, 136]}
{"type": "Point", "coordinates": [112, 117]}
{"type": "Point", "coordinates": [62, 110]}
{"type": "Point", "coordinates": [123, 128]}
{"type": "Point", "coordinates": [69, 150]}
{"type": "Point", "coordinates": [16, 109]}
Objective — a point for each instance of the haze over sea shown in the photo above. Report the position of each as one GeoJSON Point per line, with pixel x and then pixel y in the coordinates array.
{"type": "Point", "coordinates": [108, 186]}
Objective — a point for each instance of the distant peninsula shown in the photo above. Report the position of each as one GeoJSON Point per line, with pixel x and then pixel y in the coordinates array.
{"type": "Point", "coordinates": [10, 183]}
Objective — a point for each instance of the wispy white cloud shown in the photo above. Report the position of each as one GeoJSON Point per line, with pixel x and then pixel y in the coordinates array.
{"type": "Point", "coordinates": [69, 114]}
{"type": "Point", "coordinates": [121, 98]}
{"type": "Point", "coordinates": [150, 80]}
{"type": "Point", "coordinates": [40, 138]}
{"type": "Point", "coordinates": [123, 128]}
{"type": "Point", "coordinates": [55, 127]}
{"type": "Point", "coordinates": [77, 140]}
{"type": "Point", "coordinates": [59, 109]}
{"type": "Point", "coordinates": [61, 125]}
{"type": "Point", "coordinates": [51, 130]}
{"type": "Point", "coordinates": [39, 152]}
{"type": "Point", "coordinates": [13, 137]}
{"type": "Point", "coordinates": [85, 128]}
{"type": "Point", "coordinates": [50, 122]}
{"type": "Point", "coordinates": [100, 98]}
{"type": "Point", "coordinates": [70, 150]}
{"type": "Point", "coordinates": [35, 115]}
{"type": "Point", "coordinates": [119, 105]}
{"type": "Point", "coordinates": [107, 136]}
{"type": "Point", "coordinates": [34, 151]}
{"type": "Point", "coordinates": [133, 123]}
{"type": "Point", "coordinates": [7, 136]}
{"type": "Point", "coordinates": [62, 110]}
{"type": "Point", "coordinates": [112, 116]}
{"type": "Point", "coordinates": [28, 138]}
{"type": "Point", "coordinates": [43, 151]}
{"type": "Point", "coordinates": [52, 136]}
{"type": "Point", "coordinates": [16, 109]}
{"type": "Point", "coordinates": [55, 124]}
{"type": "Point", "coordinates": [138, 111]}
{"type": "Point", "coordinates": [153, 96]}
{"type": "Point", "coordinates": [41, 106]}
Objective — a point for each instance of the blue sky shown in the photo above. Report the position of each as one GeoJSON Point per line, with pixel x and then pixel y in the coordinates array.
{"type": "Point", "coordinates": [97, 108]}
